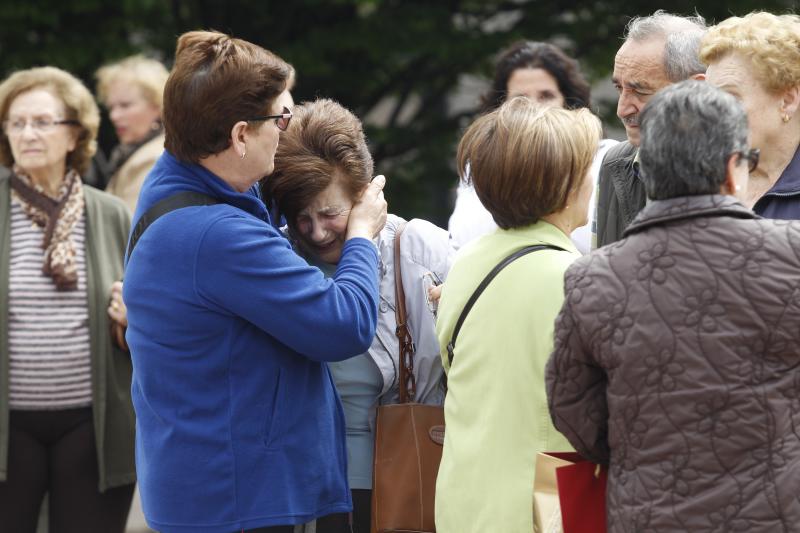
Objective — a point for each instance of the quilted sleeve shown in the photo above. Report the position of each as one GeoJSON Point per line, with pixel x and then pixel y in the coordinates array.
{"type": "Point", "coordinates": [576, 384]}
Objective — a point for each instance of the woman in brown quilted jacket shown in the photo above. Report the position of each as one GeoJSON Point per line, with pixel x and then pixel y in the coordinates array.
{"type": "Point", "coordinates": [677, 351]}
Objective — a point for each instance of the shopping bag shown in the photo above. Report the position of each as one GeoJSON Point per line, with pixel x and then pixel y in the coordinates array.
{"type": "Point", "coordinates": [569, 494]}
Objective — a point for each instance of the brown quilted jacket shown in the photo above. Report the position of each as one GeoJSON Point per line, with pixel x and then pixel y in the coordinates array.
{"type": "Point", "coordinates": [677, 362]}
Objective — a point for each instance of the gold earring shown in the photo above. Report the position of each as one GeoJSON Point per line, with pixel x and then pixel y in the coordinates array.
{"type": "Point", "coordinates": [785, 118]}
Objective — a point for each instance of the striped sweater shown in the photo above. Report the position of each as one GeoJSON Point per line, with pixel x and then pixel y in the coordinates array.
{"type": "Point", "coordinates": [48, 328]}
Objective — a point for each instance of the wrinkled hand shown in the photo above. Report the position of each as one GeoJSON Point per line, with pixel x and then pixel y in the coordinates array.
{"type": "Point", "coordinates": [368, 215]}
{"type": "Point", "coordinates": [116, 307]}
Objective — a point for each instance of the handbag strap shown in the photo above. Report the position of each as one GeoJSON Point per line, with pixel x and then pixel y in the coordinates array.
{"type": "Point", "coordinates": [408, 383]}
{"type": "Point", "coordinates": [489, 277]}
{"type": "Point", "coordinates": [161, 208]}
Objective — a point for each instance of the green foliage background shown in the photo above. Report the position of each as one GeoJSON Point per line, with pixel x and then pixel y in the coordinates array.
{"type": "Point", "coordinates": [404, 57]}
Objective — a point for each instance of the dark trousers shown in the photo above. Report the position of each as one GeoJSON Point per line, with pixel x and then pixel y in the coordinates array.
{"type": "Point", "coordinates": [54, 452]}
{"type": "Point", "coordinates": [362, 515]}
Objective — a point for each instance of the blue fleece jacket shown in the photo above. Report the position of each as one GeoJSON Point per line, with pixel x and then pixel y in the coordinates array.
{"type": "Point", "coordinates": [238, 422]}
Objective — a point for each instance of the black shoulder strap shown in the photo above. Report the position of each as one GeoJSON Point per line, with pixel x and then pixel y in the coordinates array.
{"type": "Point", "coordinates": [170, 203]}
{"type": "Point", "coordinates": [489, 277]}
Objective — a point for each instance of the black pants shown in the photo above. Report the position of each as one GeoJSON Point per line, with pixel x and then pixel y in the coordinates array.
{"type": "Point", "coordinates": [54, 452]}
{"type": "Point", "coordinates": [362, 515]}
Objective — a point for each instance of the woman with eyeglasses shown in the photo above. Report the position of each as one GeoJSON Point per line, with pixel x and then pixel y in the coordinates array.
{"type": "Point", "coordinates": [321, 167]}
{"type": "Point", "coordinates": [239, 427]}
{"type": "Point", "coordinates": [66, 419]}
{"type": "Point", "coordinates": [676, 349]}
{"type": "Point", "coordinates": [756, 58]}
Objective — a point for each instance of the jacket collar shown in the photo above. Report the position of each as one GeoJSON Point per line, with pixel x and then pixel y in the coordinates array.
{"type": "Point", "coordinates": [659, 212]}
{"type": "Point", "coordinates": [540, 232]}
{"type": "Point", "coordinates": [171, 176]}
{"type": "Point", "coordinates": [789, 182]}
{"type": "Point", "coordinates": [626, 179]}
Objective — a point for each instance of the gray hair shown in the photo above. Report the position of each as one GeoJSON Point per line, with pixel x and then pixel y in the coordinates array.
{"type": "Point", "coordinates": [689, 130]}
{"type": "Point", "coordinates": [682, 35]}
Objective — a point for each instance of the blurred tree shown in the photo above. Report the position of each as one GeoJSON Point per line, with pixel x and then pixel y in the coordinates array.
{"type": "Point", "coordinates": [397, 64]}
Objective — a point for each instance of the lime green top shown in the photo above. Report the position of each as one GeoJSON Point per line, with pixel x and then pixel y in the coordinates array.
{"type": "Point", "coordinates": [496, 408]}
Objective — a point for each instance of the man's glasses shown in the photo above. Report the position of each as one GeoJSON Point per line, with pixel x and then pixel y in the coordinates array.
{"type": "Point", "coordinates": [282, 120]}
{"type": "Point", "coordinates": [751, 156]}
{"type": "Point", "coordinates": [39, 124]}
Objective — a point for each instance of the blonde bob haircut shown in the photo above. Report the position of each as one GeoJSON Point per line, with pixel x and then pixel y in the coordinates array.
{"type": "Point", "coordinates": [148, 75]}
{"type": "Point", "coordinates": [771, 42]}
{"type": "Point", "coordinates": [78, 103]}
{"type": "Point", "coordinates": [525, 159]}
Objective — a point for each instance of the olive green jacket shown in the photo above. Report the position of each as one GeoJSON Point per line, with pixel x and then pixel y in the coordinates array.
{"type": "Point", "coordinates": [107, 227]}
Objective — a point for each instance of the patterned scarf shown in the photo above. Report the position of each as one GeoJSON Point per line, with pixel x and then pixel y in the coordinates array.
{"type": "Point", "coordinates": [57, 216]}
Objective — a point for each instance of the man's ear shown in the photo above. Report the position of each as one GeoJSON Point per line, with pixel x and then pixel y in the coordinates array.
{"type": "Point", "coordinates": [700, 76]}
{"type": "Point", "coordinates": [239, 138]}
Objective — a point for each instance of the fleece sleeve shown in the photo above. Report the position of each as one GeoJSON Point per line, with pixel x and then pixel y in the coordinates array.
{"type": "Point", "coordinates": [247, 269]}
{"type": "Point", "coordinates": [576, 387]}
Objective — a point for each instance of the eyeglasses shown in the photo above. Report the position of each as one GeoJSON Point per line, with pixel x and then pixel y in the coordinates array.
{"type": "Point", "coordinates": [751, 156]}
{"type": "Point", "coordinates": [40, 125]}
{"type": "Point", "coordinates": [282, 120]}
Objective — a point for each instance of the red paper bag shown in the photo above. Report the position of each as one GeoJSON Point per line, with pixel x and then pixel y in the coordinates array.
{"type": "Point", "coordinates": [582, 496]}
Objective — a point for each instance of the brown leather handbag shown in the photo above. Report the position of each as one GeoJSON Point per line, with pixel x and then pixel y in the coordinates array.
{"type": "Point", "coordinates": [408, 442]}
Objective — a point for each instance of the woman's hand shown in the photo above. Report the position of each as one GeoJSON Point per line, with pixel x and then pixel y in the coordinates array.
{"type": "Point", "coordinates": [368, 215]}
{"type": "Point", "coordinates": [116, 307]}
{"type": "Point", "coordinates": [434, 294]}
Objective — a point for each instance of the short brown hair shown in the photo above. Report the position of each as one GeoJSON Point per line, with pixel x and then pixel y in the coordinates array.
{"type": "Point", "coordinates": [525, 159]}
{"type": "Point", "coordinates": [217, 81]}
{"type": "Point", "coordinates": [324, 140]}
{"type": "Point", "coordinates": [78, 102]}
{"type": "Point", "coordinates": [147, 74]}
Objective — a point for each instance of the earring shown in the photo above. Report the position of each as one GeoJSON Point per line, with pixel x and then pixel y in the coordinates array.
{"type": "Point", "coordinates": [785, 118]}
{"type": "Point", "coordinates": [244, 153]}
{"type": "Point", "coordinates": [736, 188]}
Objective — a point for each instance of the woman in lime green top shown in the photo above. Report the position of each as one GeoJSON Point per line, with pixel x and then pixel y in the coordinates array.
{"type": "Point", "coordinates": [528, 165]}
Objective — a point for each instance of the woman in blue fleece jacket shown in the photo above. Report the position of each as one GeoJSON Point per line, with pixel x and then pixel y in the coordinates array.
{"type": "Point", "coordinates": [238, 423]}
